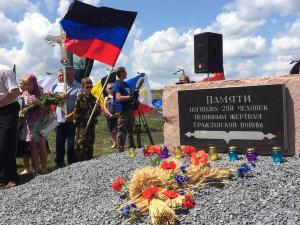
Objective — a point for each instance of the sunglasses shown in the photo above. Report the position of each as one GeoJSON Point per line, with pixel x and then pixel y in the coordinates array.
{"type": "Point", "coordinates": [88, 87]}
{"type": "Point", "coordinates": [110, 88]}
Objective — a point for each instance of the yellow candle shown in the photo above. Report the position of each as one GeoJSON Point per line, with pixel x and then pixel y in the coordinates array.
{"type": "Point", "coordinates": [177, 152]}
{"type": "Point", "coordinates": [213, 153]}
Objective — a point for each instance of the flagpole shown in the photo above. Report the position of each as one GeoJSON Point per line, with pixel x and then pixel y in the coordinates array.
{"type": "Point", "coordinates": [98, 99]}
{"type": "Point", "coordinates": [64, 62]}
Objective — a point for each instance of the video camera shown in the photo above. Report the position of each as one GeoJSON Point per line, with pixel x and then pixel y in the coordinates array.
{"type": "Point", "coordinates": [135, 93]}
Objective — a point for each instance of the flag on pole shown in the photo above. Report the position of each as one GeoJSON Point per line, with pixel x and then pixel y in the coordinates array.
{"type": "Point", "coordinates": [98, 86]}
{"type": "Point", "coordinates": [97, 33]}
{"type": "Point", "coordinates": [145, 95]}
{"type": "Point", "coordinates": [48, 83]}
{"type": "Point", "coordinates": [96, 91]}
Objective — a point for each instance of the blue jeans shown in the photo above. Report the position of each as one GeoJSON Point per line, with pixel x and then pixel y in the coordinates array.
{"type": "Point", "coordinates": [65, 132]}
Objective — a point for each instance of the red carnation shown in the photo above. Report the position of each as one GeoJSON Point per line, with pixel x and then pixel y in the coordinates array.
{"type": "Point", "coordinates": [52, 107]}
{"type": "Point", "coordinates": [168, 165]}
{"type": "Point", "coordinates": [171, 194]}
{"type": "Point", "coordinates": [154, 149]}
{"type": "Point", "coordinates": [189, 150]}
{"type": "Point", "coordinates": [150, 192]}
{"type": "Point", "coordinates": [117, 184]}
{"type": "Point", "coordinates": [200, 156]}
{"type": "Point", "coordinates": [188, 202]}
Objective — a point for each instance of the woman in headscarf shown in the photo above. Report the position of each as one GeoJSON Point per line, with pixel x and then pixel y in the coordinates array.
{"type": "Point", "coordinates": [33, 122]}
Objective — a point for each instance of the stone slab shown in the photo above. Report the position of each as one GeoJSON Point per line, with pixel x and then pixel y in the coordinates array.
{"type": "Point", "coordinates": [292, 83]}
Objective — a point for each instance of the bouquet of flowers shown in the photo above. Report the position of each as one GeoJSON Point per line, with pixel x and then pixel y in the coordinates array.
{"type": "Point", "coordinates": [50, 100]}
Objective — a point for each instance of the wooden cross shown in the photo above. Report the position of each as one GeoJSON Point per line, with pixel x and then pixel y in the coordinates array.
{"type": "Point", "coordinates": [64, 59]}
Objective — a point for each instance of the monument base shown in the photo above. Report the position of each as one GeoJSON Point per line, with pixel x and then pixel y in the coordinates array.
{"type": "Point", "coordinates": [291, 82]}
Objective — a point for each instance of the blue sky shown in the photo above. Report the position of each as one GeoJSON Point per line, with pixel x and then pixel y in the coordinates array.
{"type": "Point", "coordinates": [260, 37]}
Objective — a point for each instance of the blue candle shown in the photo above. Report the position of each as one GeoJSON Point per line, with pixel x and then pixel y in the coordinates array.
{"type": "Point", "coordinates": [277, 154]}
{"type": "Point", "coordinates": [232, 153]}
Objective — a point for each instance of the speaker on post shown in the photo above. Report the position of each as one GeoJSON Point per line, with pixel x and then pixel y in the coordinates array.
{"type": "Point", "coordinates": [208, 53]}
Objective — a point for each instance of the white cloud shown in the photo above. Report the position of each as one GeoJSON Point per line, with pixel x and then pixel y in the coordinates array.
{"type": "Point", "coordinates": [246, 47]}
{"type": "Point", "coordinates": [229, 24]}
{"type": "Point", "coordinates": [162, 53]}
{"type": "Point", "coordinates": [50, 4]}
{"type": "Point", "coordinates": [279, 65]}
{"type": "Point", "coordinates": [285, 45]}
{"type": "Point", "coordinates": [35, 55]}
{"type": "Point", "coordinates": [92, 2]}
{"type": "Point", "coordinates": [246, 68]}
{"type": "Point", "coordinates": [18, 5]}
{"type": "Point", "coordinates": [258, 9]}
{"type": "Point", "coordinates": [8, 30]}
{"type": "Point", "coordinates": [62, 8]}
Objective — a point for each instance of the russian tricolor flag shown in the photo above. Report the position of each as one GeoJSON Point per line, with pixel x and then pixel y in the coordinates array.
{"type": "Point", "coordinates": [96, 33]}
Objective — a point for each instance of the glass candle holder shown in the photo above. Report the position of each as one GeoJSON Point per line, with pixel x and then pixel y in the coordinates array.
{"type": "Point", "coordinates": [251, 155]}
{"type": "Point", "coordinates": [277, 154]}
{"type": "Point", "coordinates": [132, 152]}
{"type": "Point", "coordinates": [164, 152]}
{"type": "Point", "coordinates": [177, 152]}
{"type": "Point", "coordinates": [213, 153]}
{"type": "Point", "coordinates": [232, 153]}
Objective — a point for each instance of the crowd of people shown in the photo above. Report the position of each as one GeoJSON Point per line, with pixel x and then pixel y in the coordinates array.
{"type": "Point", "coordinates": [20, 129]}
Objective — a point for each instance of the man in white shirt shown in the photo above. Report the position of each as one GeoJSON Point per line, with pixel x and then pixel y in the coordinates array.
{"type": "Point", "coordinates": [65, 131]}
{"type": "Point", "coordinates": [9, 112]}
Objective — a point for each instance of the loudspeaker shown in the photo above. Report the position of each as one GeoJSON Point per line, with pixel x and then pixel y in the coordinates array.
{"type": "Point", "coordinates": [208, 53]}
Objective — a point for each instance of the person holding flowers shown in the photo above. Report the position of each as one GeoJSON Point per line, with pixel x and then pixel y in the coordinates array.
{"type": "Point", "coordinates": [84, 140]}
{"type": "Point", "coordinates": [33, 121]}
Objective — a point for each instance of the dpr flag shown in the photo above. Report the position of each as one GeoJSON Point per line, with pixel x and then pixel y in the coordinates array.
{"type": "Point", "coordinates": [97, 33]}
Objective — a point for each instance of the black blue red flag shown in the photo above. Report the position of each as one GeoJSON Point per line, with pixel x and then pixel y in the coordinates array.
{"type": "Point", "coordinates": [96, 32]}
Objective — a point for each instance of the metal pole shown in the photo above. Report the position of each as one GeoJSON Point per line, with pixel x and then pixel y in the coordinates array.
{"type": "Point", "coordinates": [64, 62]}
{"type": "Point", "coordinates": [98, 99]}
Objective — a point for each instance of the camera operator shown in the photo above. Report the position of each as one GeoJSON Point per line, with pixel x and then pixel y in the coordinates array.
{"type": "Point", "coordinates": [123, 106]}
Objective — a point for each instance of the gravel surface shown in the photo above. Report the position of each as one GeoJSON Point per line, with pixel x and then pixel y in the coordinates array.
{"type": "Point", "coordinates": [82, 194]}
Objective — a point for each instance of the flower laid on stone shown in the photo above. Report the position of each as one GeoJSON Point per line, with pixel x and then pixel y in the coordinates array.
{"type": "Point", "coordinates": [170, 194]}
{"type": "Point", "coordinates": [245, 170]}
{"type": "Point", "coordinates": [119, 185]}
{"type": "Point", "coordinates": [152, 149]}
{"type": "Point", "coordinates": [168, 185]}
{"type": "Point", "coordinates": [131, 212]}
{"type": "Point", "coordinates": [188, 150]}
{"type": "Point", "coordinates": [199, 157]}
{"type": "Point", "coordinates": [150, 192]}
{"type": "Point", "coordinates": [188, 202]}
{"type": "Point", "coordinates": [168, 165]}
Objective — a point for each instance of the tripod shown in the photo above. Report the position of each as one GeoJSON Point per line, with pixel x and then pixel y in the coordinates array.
{"type": "Point", "coordinates": [141, 121]}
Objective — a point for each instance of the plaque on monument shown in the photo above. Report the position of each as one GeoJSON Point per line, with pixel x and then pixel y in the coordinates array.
{"type": "Point", "coordinates": [251, 116]}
